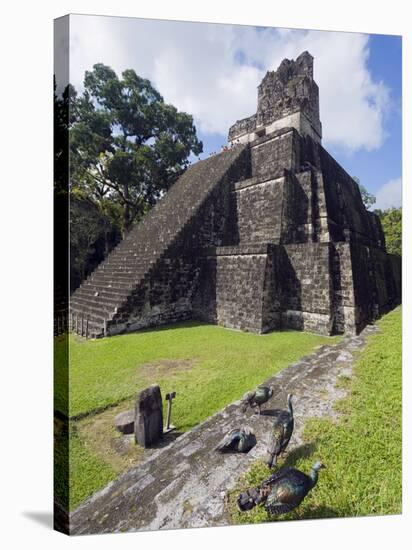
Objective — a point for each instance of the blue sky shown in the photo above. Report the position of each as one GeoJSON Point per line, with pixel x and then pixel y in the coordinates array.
{"type": "Point", "coordinates": [376, 168]}
{"type": "Point", "coordinates": [382, 166]}
{"type": "Point", "coordinates": [212, 71]}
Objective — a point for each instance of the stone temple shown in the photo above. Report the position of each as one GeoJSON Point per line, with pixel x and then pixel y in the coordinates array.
{"type": "Point", "coordinates": [270, 234]}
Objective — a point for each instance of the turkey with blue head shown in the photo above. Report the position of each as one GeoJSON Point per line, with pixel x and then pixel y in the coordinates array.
{"type": "Point", "coordinates": [239, 440]}
{"type": "Point", "coordinates": [282, 429]}
{"type": "Point", "coordinates": [282, 492]}
{"type": "Point", "coordinates": [257, 398]}
{"type": "Point", "coordinates": [289, 488]}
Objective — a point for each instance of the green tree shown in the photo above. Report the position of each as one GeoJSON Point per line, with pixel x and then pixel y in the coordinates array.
{"type": "Point", "coordinates": [61, 138]}
{"type": "Point", "coordinates": [61, 212]}
{"type": "Point", "coordinates": [367, 198]}
{"type": "Point", "coordinates": [391, 221]}
{"type": "Point", "coordinates": [93, 233]}
{"type": "Point", "coordinates": [126, 143]}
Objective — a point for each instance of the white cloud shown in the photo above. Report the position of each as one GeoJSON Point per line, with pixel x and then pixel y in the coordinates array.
{"type": "Point", "coordinates": [196, 67]}
{"type": "Point", "coordinates": [389, 195]}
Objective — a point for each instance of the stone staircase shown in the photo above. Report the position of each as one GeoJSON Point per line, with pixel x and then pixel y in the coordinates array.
{"type": "Point", "coordinates": [103, 294]}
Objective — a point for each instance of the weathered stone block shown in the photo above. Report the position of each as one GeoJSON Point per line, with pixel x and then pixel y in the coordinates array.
{"type": "Point", "coordinates": [124, 422]}
{"type": "Point", "coordinates": [148, 422]}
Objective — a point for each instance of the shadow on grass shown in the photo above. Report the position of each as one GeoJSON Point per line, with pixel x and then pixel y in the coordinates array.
{"type": "Point", "coordinates": [318, 512]}
{"type": "Point", "coordinates": [313, 512]}
{"type": "Point", "coordinates": [307, 450]}
{"type": "Point", "coordinates": [191, 323]}
{"type": "Point", "coordinates": [163, 328]}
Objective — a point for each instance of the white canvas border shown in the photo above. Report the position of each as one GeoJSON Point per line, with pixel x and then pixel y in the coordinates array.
{"type": "Point", "coordinates": [26, 275]}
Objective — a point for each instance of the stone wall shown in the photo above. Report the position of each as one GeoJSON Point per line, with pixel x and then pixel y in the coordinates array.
{"type": "Point", "coordinates": [396, 270]}
{"type": "Point", "coordinates": [271, 155]}
{"type": "Point", "coordinates": [165, 296]}
{"type": "Point", "coordinates": [348, 217]}
{"type": "Point", "coordinates": [258, 210]}
{"type": "Point", "coordinates": [298, 212]}
{"type": "Point", "coordinates": [376, 277]}
{"type": "Point", "coordinates": [273, 289]}
{"type": "Point", "coordinates": [343, 297]}
{"type": "Point", "coordinates": [306, 287]}
{"type": "Point", "coordinates": [231, 286]}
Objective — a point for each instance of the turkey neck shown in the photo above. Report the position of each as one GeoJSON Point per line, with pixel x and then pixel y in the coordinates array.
{"type": "Point", "coordinates": [290, 407]}
{"type": "Point", "coordinates": [313, 477]}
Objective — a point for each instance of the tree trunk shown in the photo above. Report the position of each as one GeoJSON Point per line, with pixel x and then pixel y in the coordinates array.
{"type": "Point", "coordinates": [126, 212]}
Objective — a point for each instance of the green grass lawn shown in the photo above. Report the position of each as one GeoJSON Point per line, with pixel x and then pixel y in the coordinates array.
{"type": "Point", "coordinates": [362, 451]}
{"type": "Point", "coordinates": [208, 366]}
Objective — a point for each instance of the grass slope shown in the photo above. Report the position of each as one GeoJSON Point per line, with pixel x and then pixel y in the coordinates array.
{"type": "Point", "coordinates": [208, 366]}
{"type": "Point", "coordinates": [223, 365]}
{"type": "Point", "coordinates": [362, 451]}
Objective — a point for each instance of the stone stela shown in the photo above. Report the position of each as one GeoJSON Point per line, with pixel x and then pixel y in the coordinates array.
{"type": "Point", "coordinates": [148, 423]}
{"type": "Point", "coordinates": [270, 234]}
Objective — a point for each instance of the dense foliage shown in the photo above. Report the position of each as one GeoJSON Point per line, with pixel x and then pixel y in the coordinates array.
{"type": "Point", "coordinates": [60, 188]}
{"type": "Point", "coordinates": [367, 198]}
{"type": "Point", "coordinates": [61, 139]}
{"type": "Point", "coordinates": [126, 147]}
{"type": "Point", "coordinates": [93, 234]}
{"type": "Point", "coordinates": [126, 143]}
{"type": "Point", "coordinates": [391, 221]}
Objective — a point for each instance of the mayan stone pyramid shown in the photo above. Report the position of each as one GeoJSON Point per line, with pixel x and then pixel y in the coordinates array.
{"type": "Point", "coordinates": [270, 234]}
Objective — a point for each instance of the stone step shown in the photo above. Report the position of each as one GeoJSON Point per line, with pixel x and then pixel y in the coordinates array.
{"type": "Point", "coordinates": [125, 269]}
{"type": "Point", "coordinates": [90, 329]}
{"type": "Point", "coordinates": [76, 324]}
{"type": "Point", "coordinates": [109, 281]}
{"type": "Point", "coordinates": [114, 296]}
{"type": "Point", "coordinates": [134, 246]}
{"type": "Point", "coordinates": [93, 311]}
{"type": "Point", "coordinates": [96, 326]}
{"type": "Point", "coordinates": [116, 277]}
{"type": "Point", "coordinates": [135, 255]}
{"type": "Point", "coordinates": [100, 298]}
{"type": "Point", "coordinates": [133, 252]}
{"type": "Point", "coordinates": [128, 261]}
{"type": "Point", "coordinates": [138, 268]}
{"type": "Point", "coordinates": [92, 303]}
{"type": "Point", "coordinates": [98, 318]}
{"type": "Point", "coordinates": [116, 288]}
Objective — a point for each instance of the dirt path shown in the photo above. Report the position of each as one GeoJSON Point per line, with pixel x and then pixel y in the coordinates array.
{"type": "Point", "coordinates": [184, 484]}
